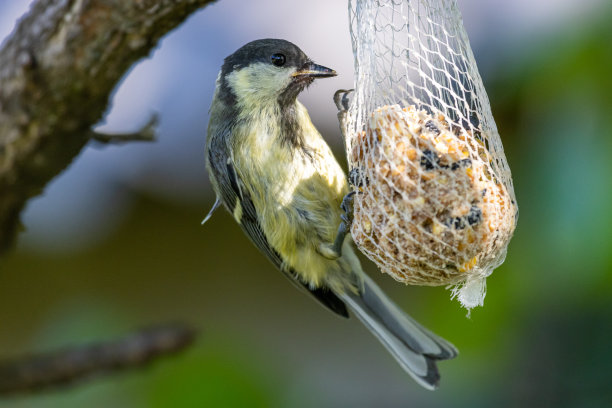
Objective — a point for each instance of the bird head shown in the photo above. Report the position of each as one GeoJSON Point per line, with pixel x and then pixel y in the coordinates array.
{"type": "Point", "coordinates": [268, 70]}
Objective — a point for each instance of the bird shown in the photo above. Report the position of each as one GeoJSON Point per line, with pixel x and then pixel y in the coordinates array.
{"type": "Point", "coordinates": [275, 174]}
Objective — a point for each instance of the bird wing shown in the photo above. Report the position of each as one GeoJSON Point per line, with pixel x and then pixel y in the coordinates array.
{"type": "Point", "coordinates": [238, 201]}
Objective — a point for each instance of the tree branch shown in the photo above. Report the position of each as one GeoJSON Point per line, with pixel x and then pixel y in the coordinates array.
{"type": "Point", "coordinates": [39, 372]}
{"type": "Point", "coordinates": [144, 134]}
{"type": "Point", "coordinates": [57, 71]}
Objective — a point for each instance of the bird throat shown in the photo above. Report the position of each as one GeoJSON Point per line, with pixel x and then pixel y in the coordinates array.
{"type": "Point", "coordinates": [291, 130]}
{"type": "Point", "coordinates": [291, 92]}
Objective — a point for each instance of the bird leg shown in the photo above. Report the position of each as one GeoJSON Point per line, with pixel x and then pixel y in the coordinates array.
{"type": "Point", "coordinates": [334, 251]}
{"type": "Point", "coordinates": [341, 99]}
{"type": "Point", "coordinates": [347, 220]}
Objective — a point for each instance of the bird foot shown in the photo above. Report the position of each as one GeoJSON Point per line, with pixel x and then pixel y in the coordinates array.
{"type": "Point", "coordinates": [334, 251]}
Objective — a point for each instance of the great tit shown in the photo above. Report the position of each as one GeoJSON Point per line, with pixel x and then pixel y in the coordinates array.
{"type": "Point", "coordinates": [272, 170]}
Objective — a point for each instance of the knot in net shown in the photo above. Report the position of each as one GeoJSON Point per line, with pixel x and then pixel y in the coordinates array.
{"type": "Point", "coordinates": [434, 202]}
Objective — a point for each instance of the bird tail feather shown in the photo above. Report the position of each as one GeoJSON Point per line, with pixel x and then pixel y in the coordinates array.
{"type": "Point", "coordinates": [414, 347]}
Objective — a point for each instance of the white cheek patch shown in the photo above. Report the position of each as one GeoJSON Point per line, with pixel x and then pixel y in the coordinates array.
{"type": "Point", "coordinates": [258, 82]}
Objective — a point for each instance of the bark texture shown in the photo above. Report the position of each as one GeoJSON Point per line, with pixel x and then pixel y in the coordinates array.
{"type": "Point", "coordinates": [54, 369]}
{"type": "Point", "coordinates": [57, 71]}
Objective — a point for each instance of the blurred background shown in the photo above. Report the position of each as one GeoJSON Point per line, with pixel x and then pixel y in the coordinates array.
{"type": "Point", "coordinates": [115, 242]}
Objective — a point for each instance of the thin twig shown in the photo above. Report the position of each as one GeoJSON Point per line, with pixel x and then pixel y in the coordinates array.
{"type": "Point", "coordinates": [145, 134]}
{"type": "Point", "coordinates": [62, 367]}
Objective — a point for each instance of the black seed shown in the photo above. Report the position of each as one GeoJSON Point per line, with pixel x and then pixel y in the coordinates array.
{"type": "Point", "coordinates": [429, 125]}
{"type": "Point", "coordinates": [429, 160]}
{"type": "Point", "coordinates": [483, 192]}
{"type": "Point", "coordinates": [461, 163]}
{"type": "Point", "coordinates": [474, 216]}
{"type": "Point", "coordinates": [356, 179]}
{"type": "Point", "coordinates": [458, 223]}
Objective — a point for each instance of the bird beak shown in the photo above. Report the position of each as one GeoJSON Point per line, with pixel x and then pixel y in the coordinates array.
{"type": "Point", "coordinates": [313, 70]}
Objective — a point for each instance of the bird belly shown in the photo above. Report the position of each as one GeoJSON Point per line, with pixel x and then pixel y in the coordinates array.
{"type": "Point", "coordinates": [297, 199]}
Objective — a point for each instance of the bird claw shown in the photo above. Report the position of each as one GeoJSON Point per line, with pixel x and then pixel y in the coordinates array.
{"type": "Point", "coordinates": [341, 99]}
{"type": "Point", "coordinates": [335, 251]}
{"type": "Point", "coordinates": [347, 207]}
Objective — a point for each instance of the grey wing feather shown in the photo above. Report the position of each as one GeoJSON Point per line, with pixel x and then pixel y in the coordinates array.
{"type": "Point", "coordinates": [216, 205]}
{"type": "Point", "coordinates": [232, 194]}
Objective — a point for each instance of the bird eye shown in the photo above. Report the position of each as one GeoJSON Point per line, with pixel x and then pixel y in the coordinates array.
{"type": "Point", "coordinates": [278, 59]}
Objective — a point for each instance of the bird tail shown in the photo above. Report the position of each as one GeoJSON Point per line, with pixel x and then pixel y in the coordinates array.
{"type": "Point", "coordinates": [414, 347]}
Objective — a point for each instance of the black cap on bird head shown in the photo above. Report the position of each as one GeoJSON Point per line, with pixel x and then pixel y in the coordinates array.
{"type": "Point", "coordinates": [280, 60]}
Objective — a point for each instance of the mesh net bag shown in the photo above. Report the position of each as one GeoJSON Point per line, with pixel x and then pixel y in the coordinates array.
{"type": "Point", "coordinates": [434, 202]}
